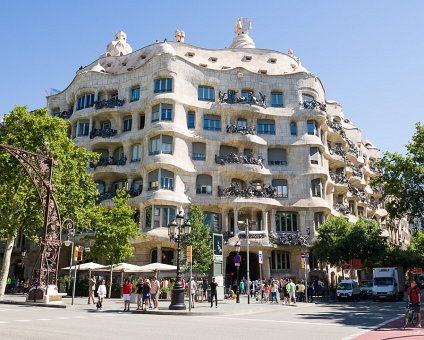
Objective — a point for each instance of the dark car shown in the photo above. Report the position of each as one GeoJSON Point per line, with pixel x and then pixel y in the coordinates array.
{"type": "Point", "coordinates": [420, 281]}
{"type": "Point", "coordinates": [366, 289]}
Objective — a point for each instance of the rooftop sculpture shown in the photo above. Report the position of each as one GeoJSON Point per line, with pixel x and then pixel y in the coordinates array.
{"type": "Point", "coordinates": [242, 39]}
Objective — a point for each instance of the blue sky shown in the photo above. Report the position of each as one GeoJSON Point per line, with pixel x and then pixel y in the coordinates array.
{"type": "Point", "coordinates": [367, 53]}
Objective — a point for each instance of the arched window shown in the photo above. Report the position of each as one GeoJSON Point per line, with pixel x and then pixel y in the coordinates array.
{"type": "Point", "coordinates": [281, 188]}
{"type": "Point", "coordinates": [316, 186]}
{"type": "Point", "coordinates": [137, 152]}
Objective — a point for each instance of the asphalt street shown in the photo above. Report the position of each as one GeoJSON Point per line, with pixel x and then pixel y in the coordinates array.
{"type": "Point", "coordinates": [236, 321]}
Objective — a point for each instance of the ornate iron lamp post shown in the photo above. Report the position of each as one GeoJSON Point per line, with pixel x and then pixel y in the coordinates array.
{"type": "Point", "coordinates": [178, 229]}
{"type": "Point", "coordinates": [238, 272]}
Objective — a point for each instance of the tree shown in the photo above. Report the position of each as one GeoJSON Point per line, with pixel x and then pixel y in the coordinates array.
{"type": "Point", "coordinates": [340, 240]}
{"type": "Point", "coordinates": [402, 179]}
{"type": "Point", "coordinates": [115, 229]}
{"type": "Point", "coordinates": [201, 241]}
{"type": "Point", "coordinates": [20, 208]}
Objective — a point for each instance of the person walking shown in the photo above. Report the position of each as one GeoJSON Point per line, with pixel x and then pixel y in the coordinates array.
{"type": "Point", "coordinates": [139, 291]}
{"type": "Point", "coordinates": [154, 292]}
{"type": "Point", "coordinates": [146, 293]}
{"type": "Point", "coordinates": [266, 292]}
{"type": "Point", "coordinates": [242, 287]}
{"type": "Point", "coordinates": [101, 294]}
{"type": "Point", "coordinates": [214, 292]}
{"type": "Point", "coordinates": [204, 289]}
{"type": "Point", "coordinates": [292, 291]}
{"type": "Point", "coordinates": [91, 289]}
{"type": "Point", "coordinates": [193, 288]}
{"type": "Point", "coordinates": [273, 290]}
{"type": "Point", "coordinates": [126, 294]}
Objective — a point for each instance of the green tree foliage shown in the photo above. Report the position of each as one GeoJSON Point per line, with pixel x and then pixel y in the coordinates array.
{"type": "Point", "coordinates": [402, 179]}
{"type": "Point", "coordinates": [340, 240]}
{"type": "Point", "coordinates": [417, 243]}
{"type": "Point", "coordinates": [20, 208]}
{"type": "Point", "coordinates": [115, 229]}
{"type": "Point", "coordinates": [201, 241]}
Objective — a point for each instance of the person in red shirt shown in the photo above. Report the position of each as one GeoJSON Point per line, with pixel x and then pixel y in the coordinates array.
{"type": "Point", "coordinates": [126, 294]}
{"type": "Point", "coordinates": [413, 295]}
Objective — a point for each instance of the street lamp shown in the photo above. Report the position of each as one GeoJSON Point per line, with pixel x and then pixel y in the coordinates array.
{"type": "Point", "coordinates": [238, 272]}
{"type": "Point", "coordinates": [70, 233]}
{"type": "Point", "coordinates": [178, 230]}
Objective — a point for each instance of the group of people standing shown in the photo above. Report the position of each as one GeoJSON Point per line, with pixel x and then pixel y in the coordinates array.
{"type": "Point", "coordinates": [147, 292]}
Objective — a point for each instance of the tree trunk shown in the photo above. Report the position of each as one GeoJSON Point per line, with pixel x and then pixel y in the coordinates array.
{"type": "Point", "coordinates": [110, 283]}
{"type": "Point", "coordinates": [6, 264]}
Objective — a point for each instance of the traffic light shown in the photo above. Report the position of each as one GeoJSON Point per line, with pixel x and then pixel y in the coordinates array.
{"type": "Point", "coordinates": [80, 252]}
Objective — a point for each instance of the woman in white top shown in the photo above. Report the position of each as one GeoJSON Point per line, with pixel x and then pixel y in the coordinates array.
{"type": "Point", "coordinates": [101, 293]}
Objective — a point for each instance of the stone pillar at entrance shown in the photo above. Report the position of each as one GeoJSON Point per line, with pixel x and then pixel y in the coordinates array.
{"type": "Point", "coordinates": [265, 221]}
{"type": "Point", "coordinates": [236, 229]}
{"type": "Point", "coordinates": [159, 258]}
{"type": "Point", "coordinates": [266, 269]}
{"type": "Point", "coordinates": [224, 219]}
{"type": "Point", "coordinates": [273, 226]}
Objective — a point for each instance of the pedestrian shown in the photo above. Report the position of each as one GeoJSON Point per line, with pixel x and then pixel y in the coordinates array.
{"type": "Point", "coordinates": [146, 293]}
{"type": "Point", "coordinates": [273, 290]}
{"type": "Point", "coordinates": [292, 291]}
{"type": "Point", "coordinates": [266, 292]}
{"type": "Point", "coordinates": [139, 291]}
{"type": "Point", "coordinates": [301, 291]}
{"type": "Point", "coordinates": [154, 292]}
{"type": "Point", "coordinates": [126, 294]}
{"type": "Point", "coordinates": [91, 289]}
{"type": "Point", "coordinates": [311, 292]}
{"type": "Point", "coordinates": [286, 292]}
{"type": "Point", "coordinates": [101, 294]}
{"type": "Point", "coordinates": [193, 288]}
{"type": "Point", "coordinates": [204, 289]}
{"type": "Point", "coordinates": [242, 287]}
{"type": "Point", "coordinates": [214, 293]}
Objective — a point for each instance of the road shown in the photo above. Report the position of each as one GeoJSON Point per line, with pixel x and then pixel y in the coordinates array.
{"type": "Point", "coordinates": [238, 321]}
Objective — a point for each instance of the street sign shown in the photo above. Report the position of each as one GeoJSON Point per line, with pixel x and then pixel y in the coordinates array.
{"type": "Point", "coordinates": [189, 254]}
{"type": "Point", "coordinates": [260, 257]}
{"type": "Point", "coordinates": [417, 271]}
{"type": "Point", "coordinates": [237, 264]}
{"type": "Point", "coordinates": [237, 259]}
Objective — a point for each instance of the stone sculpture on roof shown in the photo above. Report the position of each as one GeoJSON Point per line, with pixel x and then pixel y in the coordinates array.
{"type": "Point", "coordinates": [242, 39]}
{"type": "Point", "coordinates": [119, 46]}
{"type": "Point", "coordinates": [179, 36]}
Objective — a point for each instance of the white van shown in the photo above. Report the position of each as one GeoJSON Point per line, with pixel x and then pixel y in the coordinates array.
{"type": "Point", "coordinates": [348, 290]}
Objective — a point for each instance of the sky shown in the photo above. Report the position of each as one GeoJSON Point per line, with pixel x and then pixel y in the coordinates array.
{"type": "Point", "coordinates": [368, 53]}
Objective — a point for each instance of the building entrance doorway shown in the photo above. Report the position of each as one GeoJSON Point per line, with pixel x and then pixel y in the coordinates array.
{"type": "Point", "coordinates": [231, 269]}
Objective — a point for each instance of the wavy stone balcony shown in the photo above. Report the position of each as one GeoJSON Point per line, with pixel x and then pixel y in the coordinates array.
{"type": "Point", "coordinates": [234, 190]}
{"type": "Point", "coordinates": [109, 103]}
{"type": "Point", "coordinates": [356, 171]}
{"type": "Point", "coordinates": [243, 130]}
{"type": "Point", "coordinates": [233, 158]}
{"type": "Point", "coordinates": [232, 98]}
{"type": "Point", "coordinates": [337, 150]}
{"type": "Point", "coordinates": [111, 194]}
{"type": "Point", "coordinates": [104, 133]}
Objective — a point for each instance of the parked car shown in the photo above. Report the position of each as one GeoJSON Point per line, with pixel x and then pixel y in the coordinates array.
{"type": "Point", "coordinates": [366, 289]}
{"type": "Point", "coordinates": [348, 290]}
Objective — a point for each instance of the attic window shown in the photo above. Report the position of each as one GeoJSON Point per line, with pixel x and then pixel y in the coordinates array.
{"type": "Point", "coordinates": [142, 56]}
{"type": "Point", "coordinates": [190, 54]}
{"type": "Point", "coordinates": [124, 64]}
{"type": "Point", "coordinates": [204, 65]}
{"type": "Point", "coordinates": [247, 58]}
{"type": "Point", "coordinates": [272, 60]}
{"type": "Point", "coordinates": [225, 67]}
{"type": "Point", "coordinates": [108, 65]}
{"type": "Point", "coordinates": [263, 71]}
{"type": "Point", "coordinates": [213, 59]}
{"type": "Point", "coordinates": [130, 68]}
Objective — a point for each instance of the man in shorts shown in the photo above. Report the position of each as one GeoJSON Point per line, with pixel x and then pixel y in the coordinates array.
{"type": "Point", "coordinates": [413, 295]}
{"type": "Point", "coordinates": [154, 292]}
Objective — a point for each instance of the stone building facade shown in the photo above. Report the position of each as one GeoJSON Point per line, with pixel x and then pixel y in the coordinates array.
{"type": "Point", "coordinates": [246, 133]}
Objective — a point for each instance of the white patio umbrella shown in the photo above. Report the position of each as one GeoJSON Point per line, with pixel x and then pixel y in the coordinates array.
{"type": "Point", "coordinates": [157, 267]}
{"type": "Point", "coordinates": [86, 266]}
{"type": "Point", "coordinates": [123, 268]}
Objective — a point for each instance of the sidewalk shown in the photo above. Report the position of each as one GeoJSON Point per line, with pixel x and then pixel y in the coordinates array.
{"type": "Point", "coordinates": [225, 307]}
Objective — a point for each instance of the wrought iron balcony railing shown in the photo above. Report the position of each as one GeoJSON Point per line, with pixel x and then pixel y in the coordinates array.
{"type": "Point", "coordinates": [238, 159]}
{"type": "Point", "coordinates": [244, 130]}
{"type": "Point", "coordinates": [64, 114]}
{"type": "Point", "coordinates": [372, 204]}
{"type": "Point", "coordinates": [344, 209]}
{"type": "Point", "coordinates": [109, 103]}
{"type": "Point", "coordinates": [337, 150]}
{"type": "Point", "coordinates": [339, 178]}
{"type": "Point", "coordinates": [289, 238]}
{"type": "Point", "coordinates": [104, 161]}
{"type": "Point", "coordinates": [105, 133]}
{"type": "Point", "coordinates": [353, 149]}
{"type": "Point", "coordinates": [314, 104]}
{"type": "Point", "coordinates": [232, 98]}
{"type": "Point", "coordinates": [358, 193]}
{"type": "Point", "coordinates": [235, 190]}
